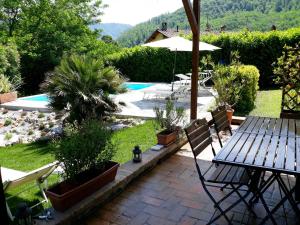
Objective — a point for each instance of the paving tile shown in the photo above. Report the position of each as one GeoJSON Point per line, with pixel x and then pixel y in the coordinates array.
{"type": "Point", "coordinates": [172, 194]}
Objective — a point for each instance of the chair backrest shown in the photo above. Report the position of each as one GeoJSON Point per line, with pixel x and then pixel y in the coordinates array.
{"type": "Point", "coordinates": [198, 135]}
{"type": "Point", "coordinates": [37, 174]}
{"type": "Point", "coordinates": [220, 119]}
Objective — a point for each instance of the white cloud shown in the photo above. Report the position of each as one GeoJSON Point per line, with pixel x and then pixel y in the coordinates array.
{"type": "Point", "coordinates": [136, 11]}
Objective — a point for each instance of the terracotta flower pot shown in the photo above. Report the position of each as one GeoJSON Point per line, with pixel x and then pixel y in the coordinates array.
{"type": "Point", "coordinates": [166, 138]}
{"type": "Point", "coordinates": [8, 97]}
{"type": "Point", "coordinates": [229, 113]}
{"type": "Point", "coordinates": [65, 194]}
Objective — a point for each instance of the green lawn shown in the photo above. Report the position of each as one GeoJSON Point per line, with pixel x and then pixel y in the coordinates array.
{"type": "Point", "coordinates": [267, 104]}
{"type": "Point", "coordinates": [26, 157]}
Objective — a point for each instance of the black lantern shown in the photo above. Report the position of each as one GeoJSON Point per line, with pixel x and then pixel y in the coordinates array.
{"type": "Point", "coordinates": [136, 154]}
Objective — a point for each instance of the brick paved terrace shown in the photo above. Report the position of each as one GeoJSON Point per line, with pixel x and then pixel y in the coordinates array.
{"type": "Point", "coordinates": [171, 193]}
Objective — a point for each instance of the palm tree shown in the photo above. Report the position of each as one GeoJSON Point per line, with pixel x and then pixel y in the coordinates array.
{"type": "Point", "coordinates": [81, 85]}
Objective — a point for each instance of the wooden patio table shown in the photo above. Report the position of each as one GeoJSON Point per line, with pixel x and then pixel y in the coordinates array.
{"type": "Point", "coordinates": [267, 144]}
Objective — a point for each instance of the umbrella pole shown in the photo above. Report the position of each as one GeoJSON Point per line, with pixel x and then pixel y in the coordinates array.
{"type": "Point", "coordinates": [174, 67]}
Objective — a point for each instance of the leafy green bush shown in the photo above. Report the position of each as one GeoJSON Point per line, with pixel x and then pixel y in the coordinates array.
{"type": "Point", "coordinates": [237, 85]}
{"type": "Point", "coordinates": [287, 70]}
{"type": "Point", "coordinates": [81, 85]}
{"type": "Point", "coordinates": [5, 85]}
{"type": "Point", "coordinates": [147, 64]}
{"type": "Point", "coordinates": [255, 48]}
{"type": "Point", "coordinates": [10, 64]}
{"type": "Point", "coordinates": [84, 147]}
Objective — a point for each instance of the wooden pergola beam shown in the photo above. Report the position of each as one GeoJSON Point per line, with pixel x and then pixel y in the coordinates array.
{"type": "Point", "coordinates": [190, 15]}
{"type": "Point", "coordinates": [194, 20]}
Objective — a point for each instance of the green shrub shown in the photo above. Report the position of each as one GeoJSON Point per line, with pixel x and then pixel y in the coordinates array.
{"type": "Point", "coordinates": [5, 85]}
{"type": "Point", "coordinates": [7, 122]}
{"type": "Point", "coordinates": [237, 85]}
{"type": "Point", "coordinates": [287, 71]}
{"type": "Point", "coordinates": [260, 49]}
{"type": "Point", "coordinates": [10, 63]}
{"type": "Point", "coordinates": [8, 136]}
{"type": "Point", "coordinates": [41, 115]}
{"type": "Point", "coordinates": [84, 147]}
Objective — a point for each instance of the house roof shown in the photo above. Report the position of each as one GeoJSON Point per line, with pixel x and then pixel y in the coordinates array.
{"type": "Point", "coordinates": [166, 33]}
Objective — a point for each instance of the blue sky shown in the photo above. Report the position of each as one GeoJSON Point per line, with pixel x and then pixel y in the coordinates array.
{"type": "Point", "coordinates": [136, 11]}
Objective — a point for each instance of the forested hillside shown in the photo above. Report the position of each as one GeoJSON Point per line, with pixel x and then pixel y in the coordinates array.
{"type": "Point", "coordinates": [257, 15]}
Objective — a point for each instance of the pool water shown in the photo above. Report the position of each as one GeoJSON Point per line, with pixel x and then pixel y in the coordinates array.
{"type": "Point", "coordinates": [37, 98]}
{"type": "Point", "coordinates": [137, 86]}
{"type": "Point", "coordinates": [130, 86]}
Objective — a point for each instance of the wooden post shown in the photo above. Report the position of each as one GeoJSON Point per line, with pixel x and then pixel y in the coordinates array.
{"type": "Point", "coordinates": [194, 20]}
{"type": "Point", "coordinates": [3, 211]}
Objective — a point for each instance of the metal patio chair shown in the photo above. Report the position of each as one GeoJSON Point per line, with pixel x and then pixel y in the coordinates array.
{"type": "Point", "coordinates": [233, 177]}
{"type": "Point", "coordinates": [220, 121]}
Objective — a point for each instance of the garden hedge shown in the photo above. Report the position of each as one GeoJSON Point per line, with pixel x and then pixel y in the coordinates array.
{"type": "Point", "coordinates": [146, 64]}
{"type": "Point", "coordinates": [260, 49]}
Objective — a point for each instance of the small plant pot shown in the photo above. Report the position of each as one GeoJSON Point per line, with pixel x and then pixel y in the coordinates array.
{"type": "Point", "coordinates": [166, 138]}
{"type": "Point", "coordinates": [8, 97]}
{"type": "Point", "coordinates": [229, 114]}
{"type": "Point", "coordinates": [65, 194]}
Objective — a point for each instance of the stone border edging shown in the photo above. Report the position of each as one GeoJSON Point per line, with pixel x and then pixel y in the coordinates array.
{"type": "Point", "coordinates": [126, 174]}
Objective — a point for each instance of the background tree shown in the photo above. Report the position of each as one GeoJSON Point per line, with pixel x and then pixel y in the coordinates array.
{"type": "Point", "coordinates": [45, 29]}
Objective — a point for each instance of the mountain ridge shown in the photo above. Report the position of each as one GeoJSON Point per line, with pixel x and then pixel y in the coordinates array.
{"type": "Point", "coordinates": [258, 15]}
{"type": "Point", "coordinates": [112, 29]}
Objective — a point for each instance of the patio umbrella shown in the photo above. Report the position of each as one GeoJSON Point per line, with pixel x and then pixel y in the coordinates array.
{"type": "Point", "coordinates": [179, 44]}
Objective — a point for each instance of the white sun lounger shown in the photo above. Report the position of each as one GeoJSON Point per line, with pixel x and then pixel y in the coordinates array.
{"type": "Point", "coordinates": [39, 175]}
{"type": "Point", "coordinates": [183, 79]}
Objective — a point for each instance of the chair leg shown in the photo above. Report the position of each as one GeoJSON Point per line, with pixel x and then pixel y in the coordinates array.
{"type": "Point", "coordinates": [244, 200]}
{"type": "Point", "coordinates": [218, 208]}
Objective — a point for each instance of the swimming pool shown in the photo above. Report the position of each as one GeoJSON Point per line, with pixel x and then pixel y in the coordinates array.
{"type": "Point", "coordinates": [137, 86]}
{"type": "Point", "coordinates": [36, 98]}
{"type": "Point", "coordinates": [130, 86]}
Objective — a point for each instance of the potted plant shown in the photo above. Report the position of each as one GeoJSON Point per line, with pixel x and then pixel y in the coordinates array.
{"type": "Point", "coordinates": [227, 88]}
{"type": "Point", "coordinates": [7, 90]}
{"type": "Point", "coordinates": [85, 152]}
{"type": "Point", "coordinates": [168, 120]}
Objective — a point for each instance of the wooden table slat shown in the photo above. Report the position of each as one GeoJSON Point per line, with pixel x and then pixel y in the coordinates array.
{"type": "Point", "coordinates": [253, 150]}
{"type": "Point", "coordinates": [229, 145]}
{"type": "Point", "coordinates": [237, 148]}
{"type": "Point", "coordinates": [277, 127]}
{"type": "Point", "coordinates": [252, 124]}
{"type": "Point", "coordinates": [298, 128]}
{"type": "Point", "coordinates": [270, 157]}
{"type": "Point", "coordinates": [281, 153]}
{"type": "Point", "coordinates": [284, 127]}
{"type": "Point", "coordinates": [292, 128]}
{"type": "Point", "coordinates": [291, 154]}
{"type": "Point", "coordinates": [258, 125]}
{"type": "Point", "coordinates": [264, 127]}
{"type": "Point", "coordinates": [263, 149]}
{"type": "Point", "coordinates": [245, 124]}
{"type": "Point", "coordinates": [271, 126]}
{"type": "Point", "coordinates": [244, 152]}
